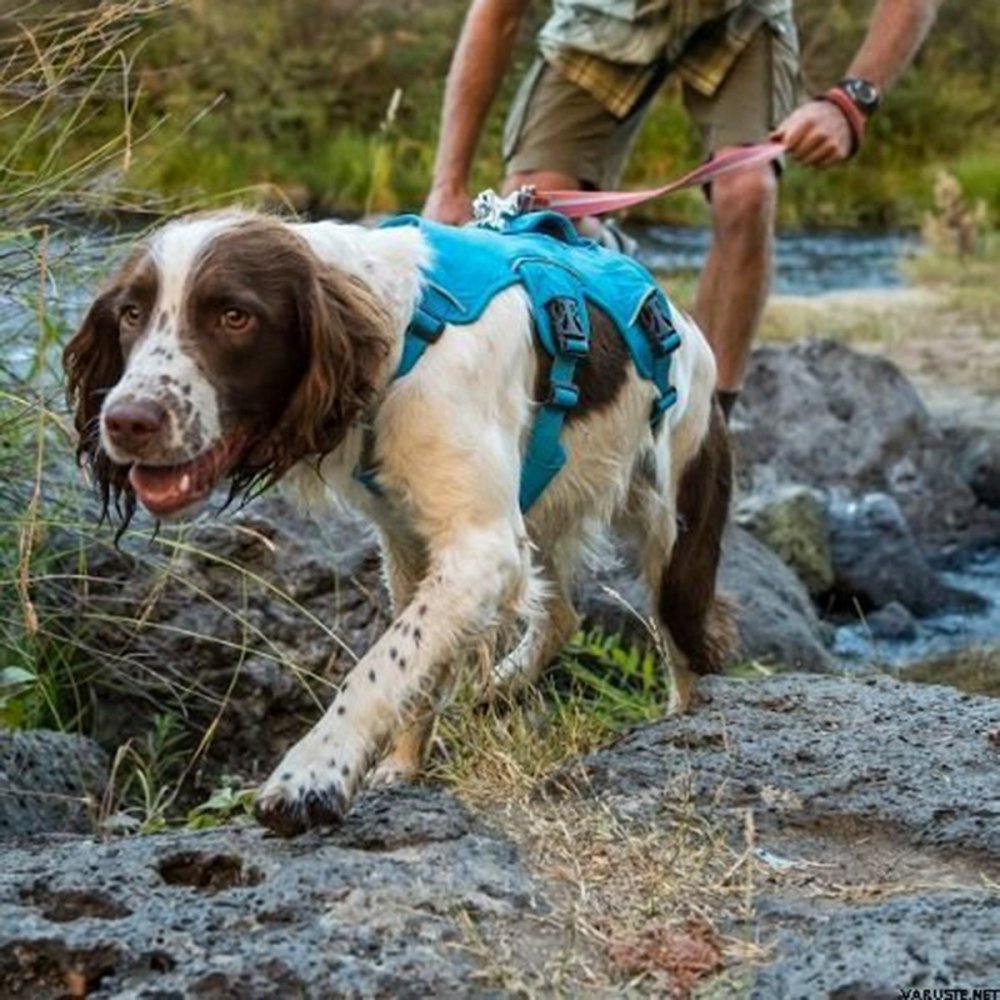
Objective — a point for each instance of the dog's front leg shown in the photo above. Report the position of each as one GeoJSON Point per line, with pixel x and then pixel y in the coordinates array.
{"type": "Point", "coordinates": [467, 584]}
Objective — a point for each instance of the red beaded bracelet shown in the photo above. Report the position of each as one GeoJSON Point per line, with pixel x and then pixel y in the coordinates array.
{"type": "Point", "coordinates": [856, 119]}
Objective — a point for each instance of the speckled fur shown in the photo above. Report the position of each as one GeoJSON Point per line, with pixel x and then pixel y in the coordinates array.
{"type": "Point", "coordinates": [460, 560]}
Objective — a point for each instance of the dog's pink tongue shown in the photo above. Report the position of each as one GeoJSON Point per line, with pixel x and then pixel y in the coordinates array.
{"type": "Point", "coordinates": [164, 489]}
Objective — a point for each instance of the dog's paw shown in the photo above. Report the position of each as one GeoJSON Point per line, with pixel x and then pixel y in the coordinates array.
{"type": "Point", "coordinates": [392, 772]}
{"type": "Point", "coordinates": [290, 803]}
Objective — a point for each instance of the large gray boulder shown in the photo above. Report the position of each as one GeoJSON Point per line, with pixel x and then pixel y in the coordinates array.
{"type": "Point", "coordinates": [775, 617]}
{"type": "Point", "coordinates": [823, 414]}
{"type": "Point", "coordinates": [877, 561]}
{"type": "Point", "coordinates": [865, 829]}
{"type": "Point", "coordinates": [240, 625]}
{"type": "Point", "coordinates": [50, 782]}
{"type": "Point", "coordinates": [391, 904]}
{"type": "Point", "coordinates": [870, 810]}
{"type": "Point", "coordinates": [808, 752]}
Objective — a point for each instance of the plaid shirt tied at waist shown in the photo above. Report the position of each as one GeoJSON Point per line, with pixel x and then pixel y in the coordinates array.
{"type": "Point", "coordinates": [613, 49]}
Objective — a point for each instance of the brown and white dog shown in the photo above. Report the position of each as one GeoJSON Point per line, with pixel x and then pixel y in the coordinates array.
{"type": "Point", "coordinates": [241, 349]}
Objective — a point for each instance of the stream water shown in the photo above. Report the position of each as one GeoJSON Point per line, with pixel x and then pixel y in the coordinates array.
{"type": "Point", "coordinates": [806, 263]}
{"type": "Point", "coordinates": [936, 635]}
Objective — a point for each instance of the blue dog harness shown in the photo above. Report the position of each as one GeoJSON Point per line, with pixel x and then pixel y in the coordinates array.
{"type": "Point", "coordinates": [561, 272]}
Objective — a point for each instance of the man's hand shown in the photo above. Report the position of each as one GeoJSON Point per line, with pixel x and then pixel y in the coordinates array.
{"type": "Point", "coordinates": [816, 134]}
{"type": "Point", "coordinates": [450, 205]}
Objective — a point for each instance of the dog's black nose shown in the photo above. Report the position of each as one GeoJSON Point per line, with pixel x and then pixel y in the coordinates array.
{"type": "Point", "coordinates": [133, 425]}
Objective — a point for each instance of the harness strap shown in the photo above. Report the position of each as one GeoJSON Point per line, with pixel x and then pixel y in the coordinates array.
{"type": "Point", "coordinates": [564, 330]}
{"type": "Point", "coordinates": [657, 325]}
{"type": "Point", "coordinates": [424, 330]}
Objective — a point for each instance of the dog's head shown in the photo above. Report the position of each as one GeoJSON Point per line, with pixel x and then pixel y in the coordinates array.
{"type": "Point", "coordinates": [223, 349]}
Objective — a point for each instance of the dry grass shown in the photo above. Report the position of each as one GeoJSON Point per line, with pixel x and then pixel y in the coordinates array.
{"type": "Point", "coordinates": [61, 71]}
{"type": "Point", "coordinates": [883, 316]}
{"type": "Point", "coordinates": [976, 671]}
{"type": "Point", "coordinates": [637, 906]}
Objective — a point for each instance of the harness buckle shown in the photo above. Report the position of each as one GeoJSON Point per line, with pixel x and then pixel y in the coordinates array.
{"type": "Point", "coordinates": [658, 325]}
{"type": "Point", "coordinates": [563, 395]}
{"type": "Point", "coordinates": [570, 334]}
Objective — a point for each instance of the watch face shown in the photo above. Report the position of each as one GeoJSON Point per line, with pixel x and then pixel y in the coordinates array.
{"type": "Point", "coordinates": [863, 93]}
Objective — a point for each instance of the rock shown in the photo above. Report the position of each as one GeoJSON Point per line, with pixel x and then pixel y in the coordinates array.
{"type": "Point", "coordinates": [877, 561]}
{"type": "Point", "coordinates": [951, 938]}
{"type": "Point", "coordinates": [822, 753]}
{"type": "Point", "coordinates": [978, 462]}
{"type": "Point", "coordinates": [49, 783]}
{"type": "Point", "coordinates": [892, 622]}
{"type": "Point", "coordinates": [775, 617]}
{"type": "Point", "coordinates": [261, 612]}
{"type": "Point", "coordinates": [790, 520]}
{"type": "Point", "coordinates": [849, 785]}
{"type": "Point", "coordinates": [858, 791]}
{"type": "Point", "coordinates": [391, 904]}
{"type": "Point", "coordinates": [823, 414]}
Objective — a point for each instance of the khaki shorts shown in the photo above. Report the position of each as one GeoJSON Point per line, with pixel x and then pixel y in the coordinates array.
{"type": "Point", "coordinates": [555, 125]}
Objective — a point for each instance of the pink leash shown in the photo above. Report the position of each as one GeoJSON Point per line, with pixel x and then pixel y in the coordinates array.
{"type": "Point", "coordinates": [577, 204]}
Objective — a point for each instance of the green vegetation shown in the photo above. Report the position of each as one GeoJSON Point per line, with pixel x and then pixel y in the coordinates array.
{"type": "Point", "coordinates": [289, 101]}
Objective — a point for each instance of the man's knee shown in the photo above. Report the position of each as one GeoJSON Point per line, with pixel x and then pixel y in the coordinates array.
{"type": "Point", "coordinates": [744, 201]}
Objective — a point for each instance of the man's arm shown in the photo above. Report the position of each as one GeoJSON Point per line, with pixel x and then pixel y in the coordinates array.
{"type": "Point", "coordinates": [818, 134]}
{"type": "Point", "coordinates": [477, 68]}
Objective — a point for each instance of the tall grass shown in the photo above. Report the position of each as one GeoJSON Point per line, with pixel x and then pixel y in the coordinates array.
{"type": "Point", "coordinates": [71, 640]}
{"type": "Point", "coordinates": [67, 109]}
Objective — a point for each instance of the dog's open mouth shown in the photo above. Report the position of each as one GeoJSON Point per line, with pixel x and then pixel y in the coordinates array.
{"type": "Point", "coordinates": [166, 489]}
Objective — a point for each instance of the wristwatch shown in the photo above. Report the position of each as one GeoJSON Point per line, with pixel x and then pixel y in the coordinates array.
{"type": "Point", "coordinates": [863, 93]}
{"type": "Point", "coordinates": [857, 100]}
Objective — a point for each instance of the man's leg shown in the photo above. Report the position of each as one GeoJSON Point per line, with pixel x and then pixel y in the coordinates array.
{"type": "Point", "coordinates": [736, 279]}
{"type": "Point", "coordinates": [559, 136]}
{"type": "Point", "coordinates": [759, 90]}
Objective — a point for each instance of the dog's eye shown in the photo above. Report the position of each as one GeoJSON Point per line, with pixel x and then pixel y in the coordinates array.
{"type": "Point", "coordinates": [130, 316]}
{"type": "Point", "coordinates": [235, 320]}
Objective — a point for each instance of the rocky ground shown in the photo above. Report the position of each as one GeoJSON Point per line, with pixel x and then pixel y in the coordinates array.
{"type": "Point", "coordinates": [819, 833]}
{"type": "Point", "coordinates": [866, 812]}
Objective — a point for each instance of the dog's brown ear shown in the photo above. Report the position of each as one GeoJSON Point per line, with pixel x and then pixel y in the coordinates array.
{"type": "Point", "coordinates": [94, 363]}
{"type": "Point", "coordinates": [347, 333]}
